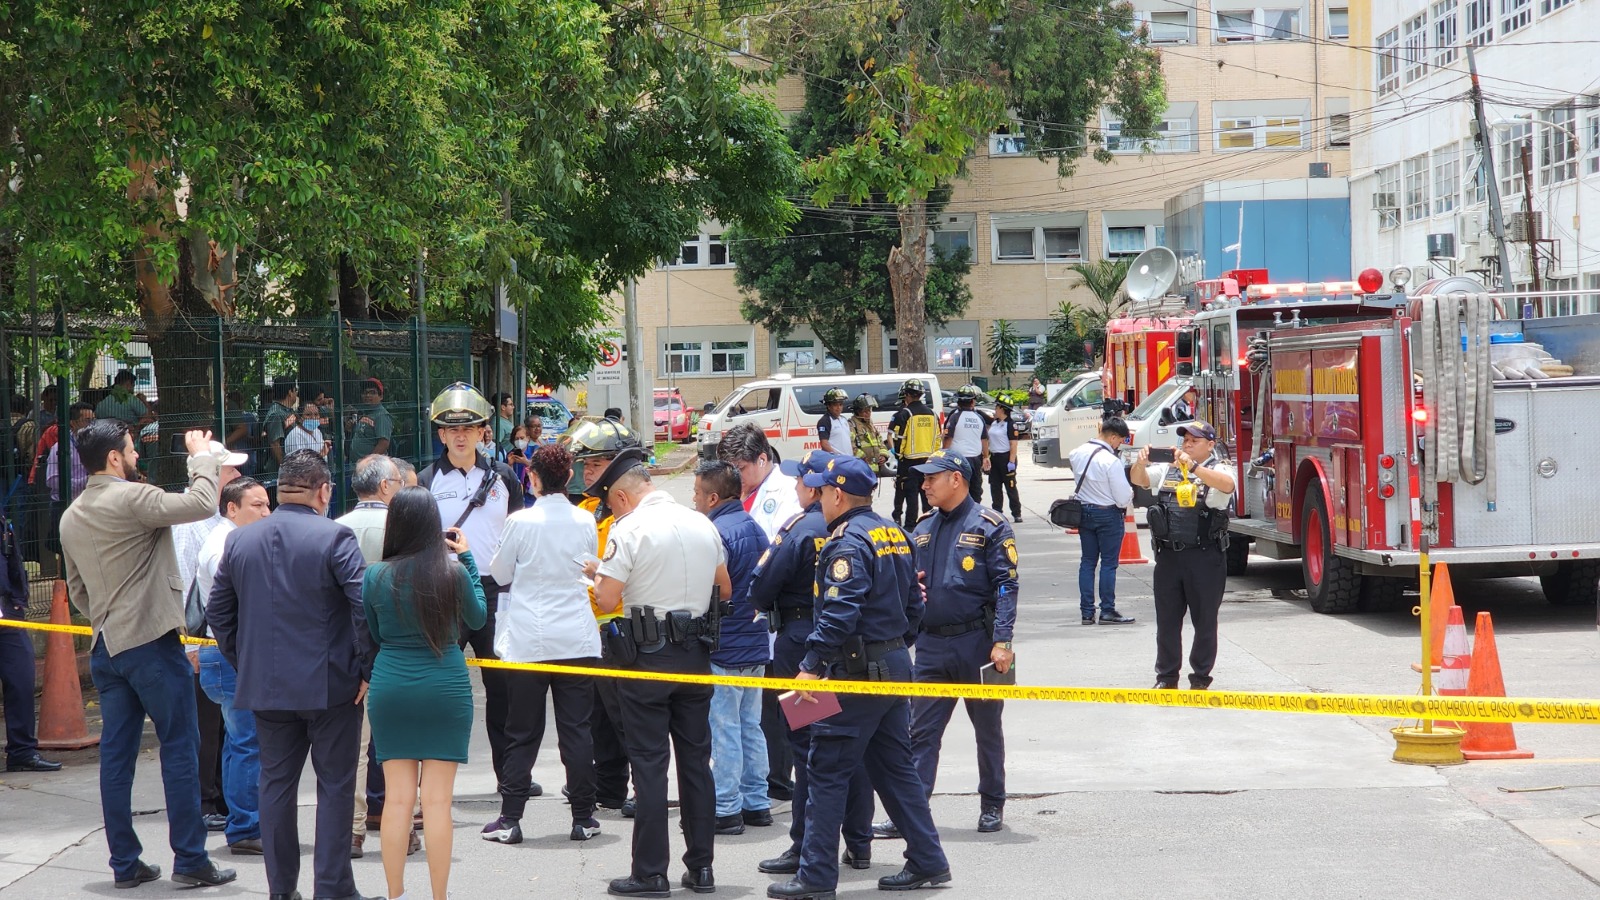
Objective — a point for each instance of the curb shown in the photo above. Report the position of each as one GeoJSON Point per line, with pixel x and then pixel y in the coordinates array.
{"type": "Point", "coordinates": [684, 466]}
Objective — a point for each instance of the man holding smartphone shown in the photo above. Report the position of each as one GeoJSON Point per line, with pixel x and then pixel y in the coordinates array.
{"type": "Point", "coordinates": [1103, 488]}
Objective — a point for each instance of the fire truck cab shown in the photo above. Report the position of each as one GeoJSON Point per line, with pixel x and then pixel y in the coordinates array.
{"type": "Point", "coordinates": [1369, 428]}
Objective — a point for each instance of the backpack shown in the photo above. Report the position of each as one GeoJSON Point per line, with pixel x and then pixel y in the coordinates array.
{"type": "Point", "coordinates": [921, 437]}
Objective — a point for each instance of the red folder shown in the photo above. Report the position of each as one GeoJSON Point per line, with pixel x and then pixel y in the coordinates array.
{"type": "Point", "coordinates": [801, 713]}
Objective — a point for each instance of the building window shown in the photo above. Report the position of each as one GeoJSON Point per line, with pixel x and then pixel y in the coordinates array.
{"type": "Point", "coordinates": [1015, 243]}
{"type": "Point", "coordinates": [1476, 188]}
{"type": "Point", "coordinates": [683, 357]}
{"type": "Point", "coordinates": [953, 243]}
{"type": "Point", "coordinates": [1508, 156]}
{"type": "Point", "coordinates": [952, 352]}
{"type": "Point", "coordinates": [1062, 243]}
{"type": "Point", "coordinates": [1258, 24]}
{"type": "Point", "coordinates": [1007, 143]}
{"type": "Point", "coordinates": [704, 250]}
{"type": "Point", "coordinates": [1338, 22]}
{"type": "Point", "coordinates": [891, 352]}
{"type": "Point", "coordinates": [1280, 24]}
{"type": "Point", "coordinates": [1416, 188]}
{"type": "Point", "coordinates": [1592, 283]}
{"type": "Point", "coordinates": [797, 353]}
{"type": "Point", "coordinates": [707, 357]}
{"type": "Point", "coordinates": [1028, 350]}
{"type": "Point", "coordinates": [1546, 7]}
{"type": "Point", "coordinates": [1446, 178]}
{"type": "Point", "coordinates": [1444, 32]}
{"type": "Point", "coordinates": [1170, 28]}
{"type": "Point", "coordinates": [1339, 130]}
{"type": "Point", "coordinates": [1256, 132]}
{"type": "Point", "coordinates": [1236, 25]}
{"type": "Point", "coordinates": [730, 357]}
{"type": "Point", "coordinates": [1591, 144]}
{"type": "Point", "coordinates": [1414, 47]}
{"type": "Point", "coordinates": [1387, 198]}
{"type": "Point", "coordinates": [1515, 14]}
{"type": "Point", "coordinates": [1388, 62]}
{"type": "Point", "coordinates": [1177, 136]}
{"type": "Point", "coordinates": [1125, 240]}
{"type": "Point", "coordinates": [1558, 145]}
{"type": "Point", "coordinates": [1480, 22]}
{"type": "Point", "coordinates": [1036, 237]}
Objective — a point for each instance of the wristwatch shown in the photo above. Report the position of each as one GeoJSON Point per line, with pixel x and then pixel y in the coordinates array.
{"type": "Point", "coordinates": [1003, 645]}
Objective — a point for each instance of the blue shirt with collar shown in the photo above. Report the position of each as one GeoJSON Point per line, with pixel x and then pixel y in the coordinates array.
{"type": "Point", "coordinates": [787, 572]}
{"type": "Point", "coordinates": [969, 557]}
{"type": "Point", "coordinates": [866, 584]}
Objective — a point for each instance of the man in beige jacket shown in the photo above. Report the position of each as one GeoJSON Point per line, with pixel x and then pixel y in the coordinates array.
{"type": "Point", "coordinates": [122, 574]}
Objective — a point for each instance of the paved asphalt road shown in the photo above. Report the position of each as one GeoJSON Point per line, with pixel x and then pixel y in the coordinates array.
{"type": "Point", "coordinates": [1107, 802]}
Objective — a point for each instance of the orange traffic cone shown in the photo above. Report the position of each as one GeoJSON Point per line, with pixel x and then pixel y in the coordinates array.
{"type": "Point", "coordinates": [1442, 598]}
{"type": "Point", "coordinates": [1452, 678]}
{"type": "Point", "coordinates": [62, 725]}
{"type": "Point", "coordinates": [1130, 553]}
{"type": "Point", "coordinates": [1488, 740]}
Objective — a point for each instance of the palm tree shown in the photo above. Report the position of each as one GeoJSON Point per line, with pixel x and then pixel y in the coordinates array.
{"type": "Point", "coordinates": [1103, 278]}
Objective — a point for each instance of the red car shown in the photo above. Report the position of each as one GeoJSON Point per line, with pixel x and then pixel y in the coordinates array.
{"type": "Point", "coordinates": [672, 418]}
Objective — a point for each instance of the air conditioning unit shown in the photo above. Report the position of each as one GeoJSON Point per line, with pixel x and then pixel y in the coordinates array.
{"type": "Point", "coordinates": [1525, 226]}
{"type": "Point", "coordinates": [1321, 170]}
{"type": "Point", "coordinates": [1442, 246]}
{"type": "Point", "coordinates": [1385, 200]}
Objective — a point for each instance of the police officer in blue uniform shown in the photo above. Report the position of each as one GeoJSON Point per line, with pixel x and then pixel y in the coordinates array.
{"type": "Point", "coordinates": [781, 587]}
{"type": "Point", "coordinates": [868, 608]}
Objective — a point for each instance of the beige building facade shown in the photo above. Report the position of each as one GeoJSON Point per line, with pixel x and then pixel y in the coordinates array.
{"type": "Point", "coordinates": [1253, 93]}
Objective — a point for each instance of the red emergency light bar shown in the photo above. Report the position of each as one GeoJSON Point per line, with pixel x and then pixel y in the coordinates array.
{"type": "Point", "coordinates": [1305, 289]}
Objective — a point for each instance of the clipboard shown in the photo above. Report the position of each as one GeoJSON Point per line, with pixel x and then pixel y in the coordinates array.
{"type": "Point", "coordinates": [988, 674]}
{"type": "Point", "coordinates": [799, 713]}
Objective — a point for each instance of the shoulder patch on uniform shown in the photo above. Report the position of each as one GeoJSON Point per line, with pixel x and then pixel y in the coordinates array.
{"type": "Point", "coordinates": [833, 593]}
{"type": "Point", "coordinates": [1011, 549]}
{"type": "Point", "coordinates": [992, 517]}
{"type": "Point", "coordinates": [922, 539]}
{"type": "Point", "coordinates": [611, 549]}
{"type": "Point", "coordinates": [765, 555]}
{"type": "Point", "coordinates": [925, 514]}
{"type": "Point", "coordinates": [840, 570]}
{"type": "Point", "coordinates": [968, 539]}
{"type": "Point", "coordinates": [967, 564]}
{"type": "Point", "coordinates": [769, 506]}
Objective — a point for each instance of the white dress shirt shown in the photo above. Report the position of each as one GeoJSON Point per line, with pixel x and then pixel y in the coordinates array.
{"type": "Point", "coordinates": [1101, 480]}
{"type": "Point", "coordinates": [546, 614]}
{"type": "Point", "coordinates": [666, 556]}
{"type": "Point", "coordinates": [299, 438]}
{"type": "Point", "coordinates": [1214, 498]}
{"type": "Point", "coordinates": [210, 555]}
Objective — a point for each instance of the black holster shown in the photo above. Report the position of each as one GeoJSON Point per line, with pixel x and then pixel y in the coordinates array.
{"type": "Point", "coordinates": [854, 655]}
{"type": "Point", "coordinates": [646, 629]}
{"type": "Point", "coordinates": [616, 638]}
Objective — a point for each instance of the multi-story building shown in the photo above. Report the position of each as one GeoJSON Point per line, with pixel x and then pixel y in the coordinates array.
{"type": "Point", "coordinates": [1253, 94]}
{"type": "Point", "coordinates": [1419, 196]}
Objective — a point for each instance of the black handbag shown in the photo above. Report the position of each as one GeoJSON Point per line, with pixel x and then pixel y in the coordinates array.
{"type": "Point", "coordinates": [1068, 513]}
{"type": "Point", "coordinates": [194, 612]}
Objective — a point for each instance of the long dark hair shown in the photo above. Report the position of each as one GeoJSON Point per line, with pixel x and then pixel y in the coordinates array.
{"type": "Point", "coordinates": [424, 581]}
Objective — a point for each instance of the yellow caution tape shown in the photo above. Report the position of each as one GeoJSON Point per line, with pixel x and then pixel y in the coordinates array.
{"type": "Point", "coordinates": [1449, 709]}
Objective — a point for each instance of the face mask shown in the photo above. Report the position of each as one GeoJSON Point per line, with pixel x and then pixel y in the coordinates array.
{"type": "Point", "coordinates": [522, 443]}
{"type": "Point", "coordinates": [311, 424]}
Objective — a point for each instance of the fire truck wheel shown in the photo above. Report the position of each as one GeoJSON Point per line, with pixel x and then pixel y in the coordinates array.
{"type": "Point", "coordinates": [1380, 594]}
{"type": "Point", "coordinates": [1238, 555]}
{"type": "Point", "coordinates": [1333, 583]}
{"type": "Point", "coordinates": [1573, 583]}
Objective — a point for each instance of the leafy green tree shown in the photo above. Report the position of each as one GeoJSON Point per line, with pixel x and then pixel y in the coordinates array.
{"type": "Point", "coordinates": [1002, 348]}
{"type": "Point", "coordinates": [831, 274]}
{"type": "Point", "coordinates": [930, 78]}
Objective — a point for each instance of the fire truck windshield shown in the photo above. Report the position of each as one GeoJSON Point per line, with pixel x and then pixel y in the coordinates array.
{"type": "Point", "coordinates": [1159, 399]}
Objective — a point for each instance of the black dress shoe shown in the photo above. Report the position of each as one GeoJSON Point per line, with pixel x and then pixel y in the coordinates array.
{"type": "Point", "coordinates": [1165, 685]}
{"type": "Point", "coordinates": [857, 860]}
{"type": "Point", "coordinates": [654, 886]}
{"type": "Point", "coordinates": [990, 821]}
{"type": "Point", "coordinates": [246, 847]}
{"type": "Point", "coordinates": [293, 895]}
{"type": "Point", "coordinates": [907, 880]}
{"type": "Point", "coordinates": [535, 789]}
{"type": "Point", "coordinates": [142, 873]}
{"type": "Point", "coordinates": [629, 808]}
{"type": "Point", "coordinates": [760, 818]}
{"type": "Point", "coordinates": [1198, 685]}
{"type": "Point", "coordinates": [215, 821]}
{"type": "Point", "coordinates": [699, 880]}
{"type": "Point", "coordinates": [787, 864]}
{"type": "Point", "coordinates": [733, 824]}
{"type": "Point", "coordinates": [34, 763]}
{"type": "Point", "coordinates": [795, 889]}
{"type": "Point", "coordinates": [1088, 620]}
{"type": "Point", "coordinates": [885, 830]}
{"type": "Point", "coordinates": [1115, 618]}
{"type": "Point", "coordinates": [210, 876]}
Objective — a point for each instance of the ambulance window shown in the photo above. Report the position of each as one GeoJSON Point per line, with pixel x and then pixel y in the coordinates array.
{"type": "Point", "coordinates": [1092, 395]}
{"type": "Point", "coordinates": [754, 401]}
{"type": "Point", "coordinates": [1221, 348]}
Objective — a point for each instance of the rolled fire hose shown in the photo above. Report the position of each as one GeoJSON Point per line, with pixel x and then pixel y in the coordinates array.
{"type": "Point", "coordinates": [1457, 390]}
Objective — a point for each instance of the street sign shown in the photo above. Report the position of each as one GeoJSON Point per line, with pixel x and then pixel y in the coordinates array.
{"type": "Point", "coordinates": [611, 369]}
{"type": "Point", "coordinates": [610, 355]}
{"type": "Point", "coordinates": [604, 376]}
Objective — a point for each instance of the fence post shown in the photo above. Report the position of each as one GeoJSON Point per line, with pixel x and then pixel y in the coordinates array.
{"type": "Point", "coordinates": [419, 386]}
{"type": "Point", "coordinates": [219, 380]}
{"type": "Point", "coordinates": [336, 462]}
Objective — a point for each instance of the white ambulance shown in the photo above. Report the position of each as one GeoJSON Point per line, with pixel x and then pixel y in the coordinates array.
{"type": "Point", "coordinates": [787, 407]}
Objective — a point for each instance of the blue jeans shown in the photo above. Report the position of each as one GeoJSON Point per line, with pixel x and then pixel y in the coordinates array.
{"type": "Point", "coordinates": [152, 679]}
{"type": "Point", "coordinates": [738, 748]}
{"type": "Point", "coordinates": [241, 755]}
{"type": "Point", "coordinates": [1100, 532]}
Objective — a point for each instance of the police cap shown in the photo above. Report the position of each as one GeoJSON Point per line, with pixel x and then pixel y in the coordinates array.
{"type": "Point", "coordinates": [626, 461]}
{"type": "Point", "coordinates": [1197, 429]}
{"type": "Point", "coordinates": [814, 461]}
{"type": "Point", "coordinates": [847, 473]}
{"type": "Point", "coordinates": [945, 461]}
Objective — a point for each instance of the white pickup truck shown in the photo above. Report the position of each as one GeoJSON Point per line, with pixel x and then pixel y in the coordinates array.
{"type": "Point", "coordinates": [1071, 417]}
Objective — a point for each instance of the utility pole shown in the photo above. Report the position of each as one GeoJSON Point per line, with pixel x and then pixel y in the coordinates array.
{"type": "Point", "coordinates": [638, 411]}
{"type": "Point", "coordinates": [1529, 231]}
{"type": "Point", "coordinates": [1497, 222]}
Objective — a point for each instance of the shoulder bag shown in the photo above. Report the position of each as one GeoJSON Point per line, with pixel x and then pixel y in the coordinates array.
{"type": "Point", "coordinates": [1068, 513]}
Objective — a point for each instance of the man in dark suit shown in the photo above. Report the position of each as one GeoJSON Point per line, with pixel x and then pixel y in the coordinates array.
{"type": "Point", "coordinates": [285, 609]}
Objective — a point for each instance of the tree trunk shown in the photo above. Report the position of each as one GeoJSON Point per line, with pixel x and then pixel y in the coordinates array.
{"type": "Point", "coordinates": [183, 349]}
{"type": "Point", "coordinates": [908, 279]}
{"type": "Point", "coordinates": [354, 301]}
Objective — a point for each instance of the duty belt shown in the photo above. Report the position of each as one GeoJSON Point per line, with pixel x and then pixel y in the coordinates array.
{"type": "Point", "coordinates": [958, 628]}
{"type": "Point", "coordinates": [1179, 545]}
{"type": "Point", "coordinates": [786, 614]}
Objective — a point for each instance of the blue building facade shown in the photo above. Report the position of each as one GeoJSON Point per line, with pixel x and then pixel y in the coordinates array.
{"type": "Point", "coordinates": [1298, 229]}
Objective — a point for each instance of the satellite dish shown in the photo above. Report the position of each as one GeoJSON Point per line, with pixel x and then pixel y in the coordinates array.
{"type": "Point", "coordinates": [1151, 275]}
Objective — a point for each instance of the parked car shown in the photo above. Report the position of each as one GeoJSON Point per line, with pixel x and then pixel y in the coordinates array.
{"type": "Point", "coordinates": [673, 420]}
{"type": "Point", "coordinates": [552, 412]}
{"type": "Point", "coordinates": [787, 408]}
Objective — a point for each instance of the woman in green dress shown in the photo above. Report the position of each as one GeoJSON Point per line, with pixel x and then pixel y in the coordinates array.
{"type": "Point", "coordinates": [420, 698]}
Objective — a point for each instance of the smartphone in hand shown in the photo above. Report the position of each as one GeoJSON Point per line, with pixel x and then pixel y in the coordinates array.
{"type": "Point", "coordinates": [1163, 454]}
{"type": "Point", "coordinates": [177, 446]}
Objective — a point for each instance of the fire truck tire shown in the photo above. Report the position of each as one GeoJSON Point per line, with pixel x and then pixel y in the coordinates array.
{"type": "Point", "coordinates": [1238, 555]}
{"type": "Point", "coordinates": [1333, 583]}
{"type": "Point", "coordinates": [1380, 594]}
{"type": "Point", "coordinates": [1573, 583]}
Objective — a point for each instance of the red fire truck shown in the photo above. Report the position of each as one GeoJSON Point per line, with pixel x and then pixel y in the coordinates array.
{"type": "Point", "coordinates": [1153, 339]}
{"type": "Point", "coordinates": [1366, 424]}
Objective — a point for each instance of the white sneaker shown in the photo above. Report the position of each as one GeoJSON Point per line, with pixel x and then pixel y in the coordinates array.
{"type": "Point", "coordinates": [503, 831]}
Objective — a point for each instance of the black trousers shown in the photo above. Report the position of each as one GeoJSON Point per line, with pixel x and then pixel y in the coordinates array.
{"type": "Point", "coordinates": [780, 755]}
{"type": "Point", "coordinates": [332, 737]}
{"type": "Point", "coordinates": [653, 713]}
{"type": "Point", "coordinates": [1189, 580]}
{"type": "Point", "coordinates": [975, 481]}
{"type": "Point", "coordinates": [16, 691]}
{"type": "Point", "coordinates": [605, 732]}
{"type": "Point", "coordinates": [211, 738]}
{"type": "Point", "coordinates": [908, 491]}
{"type": "Point", "coordinates": [1002, 480]}
{"type": "Point", "coordinates": [495, 705]}
{"type": "Point", "coordinates": [573, 699]}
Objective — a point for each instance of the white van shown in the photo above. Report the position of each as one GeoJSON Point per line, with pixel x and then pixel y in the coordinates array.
{"type": "Point", "coordinates": [787, 408]}
{"type": "Point", "coordinates": [1070, 418]}
{"type": "Point", "coordinates": [1153, 423]}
